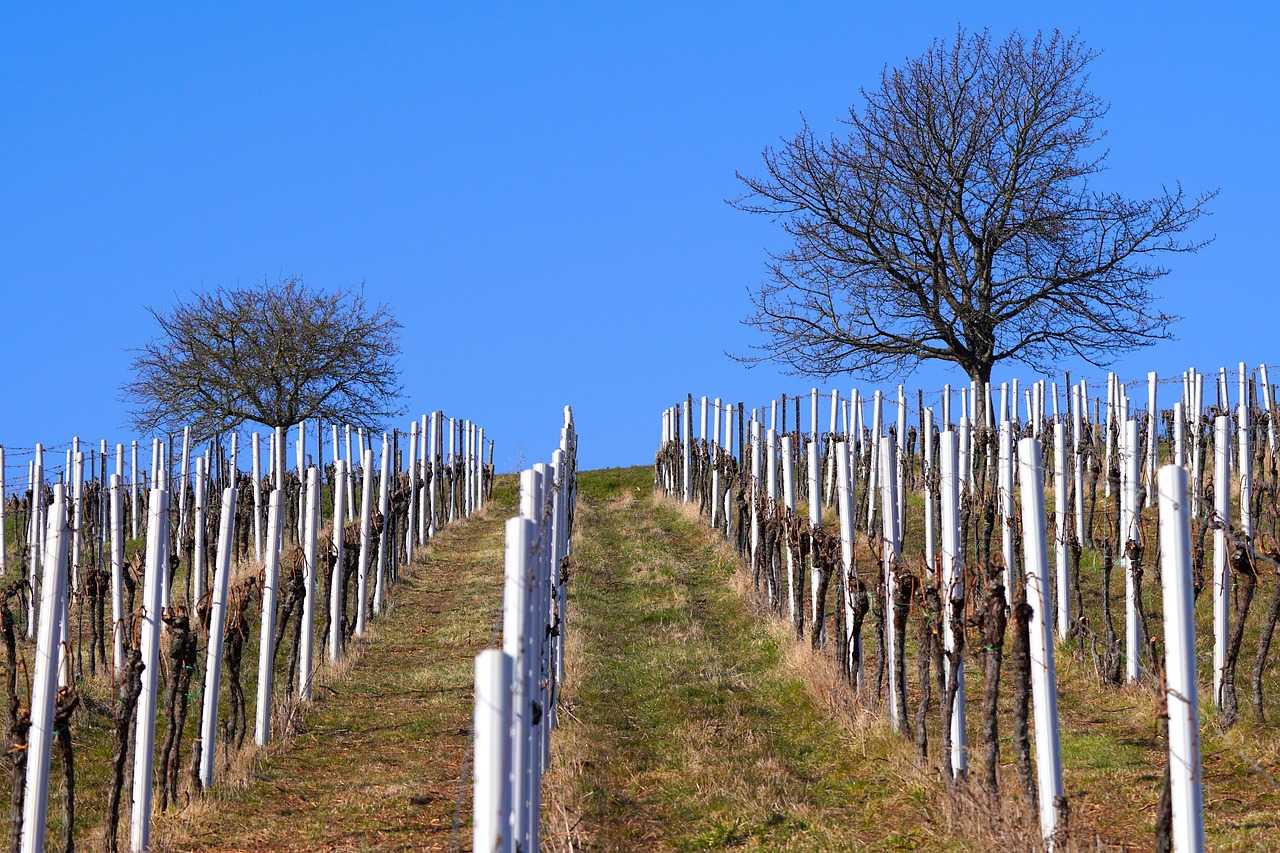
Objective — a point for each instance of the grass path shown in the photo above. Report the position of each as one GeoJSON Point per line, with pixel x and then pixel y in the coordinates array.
{"type": "Point", "coordinates": [377, 762]}
{"type": "Point", "coordinates": [688, 722]}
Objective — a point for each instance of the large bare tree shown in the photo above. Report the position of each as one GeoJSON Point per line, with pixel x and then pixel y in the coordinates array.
{"type": "Point", "coordinates": [954, 218]}
{"type": "Point", "coordinates": [275, 354]}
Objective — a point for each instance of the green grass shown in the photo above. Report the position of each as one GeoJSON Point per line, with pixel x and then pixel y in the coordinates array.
{"type": "Point", "coordinates": [687, 726]}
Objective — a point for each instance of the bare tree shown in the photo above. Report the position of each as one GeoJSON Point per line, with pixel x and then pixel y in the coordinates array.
{"type": "Point", "coordinates": [953, 219]}
{"type": "Point", "coordinates": [275, 354]}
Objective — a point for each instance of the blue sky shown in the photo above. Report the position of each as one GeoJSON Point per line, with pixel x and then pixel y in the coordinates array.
{"type": "Point", "coordinates": [538, 191]}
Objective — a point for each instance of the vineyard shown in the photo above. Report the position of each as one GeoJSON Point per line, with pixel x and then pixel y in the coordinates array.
{"type": "Point", "coordinates": [1049, 595]}
{"type": "Point", "coordinates": [154, 617]}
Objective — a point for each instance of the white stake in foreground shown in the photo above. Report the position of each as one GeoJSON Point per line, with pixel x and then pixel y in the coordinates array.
{"type": "Point", "coordinates": [217, 623]}
{"type": "Point", "coordinates": [44, 686]}
{"type": "Point", "coordinates": [952, 585]}
{"type": "Point", "coordinates": [149, 646]}
{"type": "Point", "coordinates": [1044, 681]}
{"type": "Point", "coordinates": [1180, 661]}
{"type": "Point", "coordinates": [270, 592]}
{"type": "Point", "coordinates": [492, 726]}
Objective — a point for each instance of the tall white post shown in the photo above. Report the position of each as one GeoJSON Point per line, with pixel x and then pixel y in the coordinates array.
{"type": "Point", "coordinates": [384, 479]}
{"type": "Point", "coordinates": [1007, 518]}
{"type": "Point", "coordinates": [789, 501]}
{"type": "Point", "coordinates": [336, 584]}
{"type": "Point", "coordinates": [890, 546]}
{"type": "Point", "coordinates": [266, 642]}
{"type": "Point", "coordinates": [952, 585]}
{"type": "Point", "coordinates": [1130, 529]}
{"type": "Point", "coordinates": [44, 684]}
{"type": "Point", "coordinates": [413, 492]}
{"type": "Point", "coordinates": [873, 468]}
{"type": "Point", "coordinates": [491, 800]}
{"type": "Point", "coordinates": [685, 452]}
{"type": "Point", "coordinates": [217, 625]}
{"type": "Point", "coordinates": [1244, 448]}
{"type": "Point", "coordinates": [182, 487]}
{"type": "Point", "coordinates": [1221, 569]}
{"type": "Point", "coordinates": [366, 509]}
{"type": "Point", "coordinates": [846, 502]}
{"type": "Point", "coordinates": [815, 521]}
{"type": "Point", "coordinates": [1152, 445]}
{"type": "Point", "coordinates": [310, 568]}
{"type": "Point", "coordinates": [433, 459]}
{"type": "Point", "coordinates": [35, 538]}
{"type": "Point", "coordinates": [134, 490]}
{"type": "Point", "coordinates": [521, 536]}
{"type": "Point", "coordinates": [257, 499]}
{"type": "Point", "coordinates": [1180, 662]}
{"type": "Point", "coordinates": [198, 543]}
{"type": "Point", "coordinates": [926, 466]}
{"type": "Point", "coordinates": [117, 575]}
{"type": "Point", "coordinates": [1197, 453]}
{"type": "Point", "coordinates": [1060, 529]}
{"type": "Point", "coordinates": [1044, 679]}
{"type": "Point", "coordinates": [149, 646]}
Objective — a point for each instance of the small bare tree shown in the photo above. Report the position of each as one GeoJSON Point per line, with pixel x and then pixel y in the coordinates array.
{"type": "Point", "coordinates": [955, 221]}
{"type": "Point", "coordinates": [276, 354]}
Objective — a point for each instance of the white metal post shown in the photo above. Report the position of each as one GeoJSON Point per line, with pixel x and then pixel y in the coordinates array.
{"type": "Point", "coordinates": [310, 567]}
{"type": "Point", "coordinates": [789, 501]}
{"type": "Point", "coordinates": [1060, 529]}
{"type": "Point", "coordinates": [266, 642]}
{"type": "Point", "coordinates": [1044, 680]}
{"type": "Point", "coordinates": [336, 585]}
{"type": "Point", "coordinates": [117, 572]}
{"type": "Point", "coordinates": [492, 800]}
{"type": "Point", "coordinates": [815, 522]}
{"type": "Point", "coordinates": [1180, 661]}
{"type": "Point", "coordinates": [952, 585]}
{"type": "Point", "coordinates": [366, 510]}
{"type": "Point", "coordinates": [1130, 529]}
{"type": "Point", "coordinates": [521, 533]}
{"type": "Point", "coordinates": [384, 478]}
{"type": "Point", "coordinates": [149, 646]}
{"type": "Point", "coordinates": [1221, 570]}
{"type": "Point", "coordinates": [890, 546]}
{"type": "Point", "coordinates": [44, 684]}
{"type": "Point", "coordinates": [217, 624]}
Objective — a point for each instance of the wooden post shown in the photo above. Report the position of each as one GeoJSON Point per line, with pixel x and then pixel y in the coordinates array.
{"type": "Point", "coordinates": [266, 642]}
{"type": "Point", "coordinates": [217, 624]}
{"type": "Point", "coordinates": [44, 684]}
{"type": "Point", "coordinates": [149, 646]}
{"type": "Point", "coordinates": [1044, 681]}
